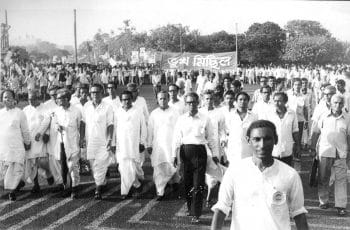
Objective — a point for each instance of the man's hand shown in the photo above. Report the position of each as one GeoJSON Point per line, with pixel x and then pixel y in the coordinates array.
{"type": "Point", "coordinates": [60, 128]}
{"type": "Point", "coordinates": [141, 148]}
{"type": "Point", "coordinates": [175, 161]}
{"type": "Point", "coordinates": [27, 147]}
{"type": "Point", "coordinates": [37, 137]}
{"type": "Point", "coordinates": [113, 149]}
{"type": "Point", "coordinates": [109, 145]}
{"type": "Point", "coordinates": [216, 160]}
{"type": "Point", "coordinates": [46, 138]}
{"type": "Point", "coordinates": [149, 150]}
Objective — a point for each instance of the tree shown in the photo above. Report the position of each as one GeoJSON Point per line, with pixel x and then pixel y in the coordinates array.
{"type": "Point", "coordinates": [20, 54]}
{"type": "Point", "coordinates": [297, 28]}
{"type": "Point", "coordinates": [264, 43]}
{"type": "Point", "coordinates": [314, 49]}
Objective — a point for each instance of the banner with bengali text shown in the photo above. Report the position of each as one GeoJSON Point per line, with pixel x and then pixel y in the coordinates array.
{"type": "Point", "coordinates": [212, 61]}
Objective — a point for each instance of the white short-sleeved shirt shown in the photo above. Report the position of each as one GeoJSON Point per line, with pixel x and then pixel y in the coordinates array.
{"type": "Point", "coordinates": [261, 200]}
{"type": "Point", "coordinates": [179, 106]}
{"type": "Point", "coordinates": [285, 127]}
{"type": "Point", "coordinates": [297, 104]}
{"type": "Point", "coordinates": [333, 137]}
{"type": "Point", "coordinates": [97, 120]}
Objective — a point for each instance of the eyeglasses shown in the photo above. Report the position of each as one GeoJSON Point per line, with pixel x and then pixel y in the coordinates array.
{"type": "Point", "coordinates": [191, 102]}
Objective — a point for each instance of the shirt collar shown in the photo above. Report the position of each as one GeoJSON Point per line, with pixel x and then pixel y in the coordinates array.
{"type": "Point", "coordinates": [195, 116]}
{"type": "Point", "coordinates": [329, 113]}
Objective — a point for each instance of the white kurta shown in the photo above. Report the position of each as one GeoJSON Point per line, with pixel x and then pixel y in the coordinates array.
{"type": "Point", "coordinates": [70, 121]}
{"type": "Point", "coordinates": [141, 104]}
{"type": "Point", "coordinates": [97, 120]}
{"type": "Point", "coordinates": [160, 134]}
{"type": "Point", "coordinates": [14, 132]}
{"type": "Point", "coordinates": [179, 105]}
{"type": "Point", "coordinates": [131, 131]}
{"type": "Point", "coordinates": [115, 103]}
{"type": "Point", "coordinates": [50, 106]}
{"type": "Point", "coordinates": [38, 121]}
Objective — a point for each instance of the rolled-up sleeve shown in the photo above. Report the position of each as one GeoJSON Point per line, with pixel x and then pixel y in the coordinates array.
{"type": "Point", "coordinates": [296, 197]}
{"type": "Point", "coordinates": [226, 194]}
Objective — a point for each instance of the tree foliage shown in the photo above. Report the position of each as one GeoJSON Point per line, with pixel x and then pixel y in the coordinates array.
{"type": "Point", "coordinates": [264, 43]}
{"type": "Point", "coordinates": [297, 28]}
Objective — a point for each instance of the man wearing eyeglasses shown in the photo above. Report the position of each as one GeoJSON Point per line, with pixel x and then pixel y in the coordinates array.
{"type": "Point", "coordinates": [192, 132]}
{"type": "Point", "coordinates": [98, 117]}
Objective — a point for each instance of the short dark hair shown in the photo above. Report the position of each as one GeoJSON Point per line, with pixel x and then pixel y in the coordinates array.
{"type": "Point", "coordinates": [279, 80]}
{"type": "Point", "coordinates": [126, 92]}
{"type": "Point", "coordinates": [283, 95]}
{"type": "Point", "coordinates": [192, 94]}
{"type": "Point", "coordinates": [229, 92]}
{"type": "Point", "coordinates": [176, 86]}
{"type": "Point", "coordinates": [163, 92]}
{"type": "Point", "coordinates": [237, 83]}
{"type": "Point", "coordinates": [227, 78]}
{"type": "Point", "coordinates": [242, 93]}
{"type": "Point", "coordinates": [265, 87]}
{"type": "Point", "coordinates": [65, 92]}
{"type": "Point", "coordinates": [97, 86]}
{"type": "Point", "coordinates": [262, 124]}
{"type": "Point", "coordinates": [296, 79]}
{"type": "Point", "coordinates": [208, 92]}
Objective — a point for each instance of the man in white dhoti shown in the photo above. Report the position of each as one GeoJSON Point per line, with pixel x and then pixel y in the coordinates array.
{"type": "Point", "coordinates": [98, 117]}
{"type": "Point", "coordinates": [37, 157]}
{"type": "Point", "coordinates": [131, 139]}
{"type": "Point", "coordinates": [159, 139]}
{"type": "Point", "coordinates": [67, 120]}
{"type": "Point", "coordinates": [138, 101]}
{"type": "Point", "coordinates": [14, 141]}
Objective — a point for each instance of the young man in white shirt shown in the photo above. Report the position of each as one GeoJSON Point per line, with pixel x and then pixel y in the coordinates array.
{"type": "Point", "coordinates": [332, 134]}
{"type": "Point", "coordinates": [236, 126]}
{"type": "Point", "coordinates": [138, 101]}
{"type": "Point", "coordinates": [131, 136]}
{"type": "Point", "coordinates": [263, 107]}
{"type": "Point", "coordinates": [193, 130]}
{"type": "Point", "coordinates": [160, 136]}
{"type": "Point", "coordinates": [286, 123]}
{"type": "Point", "coordinates": [174, 101]}
{"type": "Point", "coordinates": [98, 118]}
{"type": "Point", "coordinates": [270, 191]}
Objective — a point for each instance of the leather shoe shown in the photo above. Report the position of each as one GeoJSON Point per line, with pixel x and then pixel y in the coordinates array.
{"type": "Point", "coordinates": [12, 196]}
{"type": "Point", "coordinates": [324, 206]}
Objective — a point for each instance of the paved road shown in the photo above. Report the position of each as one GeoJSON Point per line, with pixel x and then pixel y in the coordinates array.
{"type": "Point", "coordinates": [50, 211]}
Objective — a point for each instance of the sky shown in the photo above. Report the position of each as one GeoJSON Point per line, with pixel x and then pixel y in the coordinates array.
{"type": "Point", "coordinates": [52, 20]}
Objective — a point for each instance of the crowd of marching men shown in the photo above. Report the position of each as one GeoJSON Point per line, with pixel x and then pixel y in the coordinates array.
{"type": "Point", "coordinates": [195, 134]}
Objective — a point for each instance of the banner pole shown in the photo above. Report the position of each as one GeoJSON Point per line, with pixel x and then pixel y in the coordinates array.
{"type": "Point", "coordinates": [75, 38]}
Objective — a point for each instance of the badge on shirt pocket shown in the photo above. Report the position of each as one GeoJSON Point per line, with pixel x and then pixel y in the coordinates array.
{"type": "Point", "coordinates": [279, 203]}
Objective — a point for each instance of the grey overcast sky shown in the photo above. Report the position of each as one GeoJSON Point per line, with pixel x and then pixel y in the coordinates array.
{"type": "Point", "coordinates": [52, 20]}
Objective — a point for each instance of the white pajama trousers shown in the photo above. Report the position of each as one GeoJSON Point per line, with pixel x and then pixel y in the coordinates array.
{"type": "Point", "coordinates": [99, 169]}
{"type": "Point", "coordinates": [11, 174]}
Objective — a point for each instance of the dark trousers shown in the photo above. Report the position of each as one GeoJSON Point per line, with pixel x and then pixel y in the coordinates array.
{"type": "Point", "coordinates": [194, 158]}
{"type": "Point", "coordinates": [288, 160]}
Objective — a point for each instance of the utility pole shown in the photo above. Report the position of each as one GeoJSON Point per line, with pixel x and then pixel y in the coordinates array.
{"type": "Point", "coordinates": [75, 38]}
{"type": "Point", "coordinates": [180, 28]}
{"type": "Point", "coordinates": [236, 47]}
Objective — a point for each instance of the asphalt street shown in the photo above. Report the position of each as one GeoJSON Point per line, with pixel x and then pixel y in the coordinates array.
{"type": "Point", "coordinates": [50, 211]}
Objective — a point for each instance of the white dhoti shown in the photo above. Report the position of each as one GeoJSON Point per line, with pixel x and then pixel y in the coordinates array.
{"type": "Point", "coordinates": [99, 167]}
{"type": "Point", "coordinates": [11, 173]}
{"type": "Point", "coordinates": [73, 169]}
{"type": "Point", "coordinates": [37, 166]}
{"type": "Point", "coordinates": [130, 174]}
{"type": "Point", "coordinates": [162, 174]}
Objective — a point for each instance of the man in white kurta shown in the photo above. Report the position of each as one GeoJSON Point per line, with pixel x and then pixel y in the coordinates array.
{"type": "Point", "coordinates": [174, 101]}
{"type": "Point", "coordinates": [159, 139]}
{"type": "Point", "coordinates": [98, 117]}
{"type": "Point", "coordinates": [14, 140]}
{"type": "Point", "coordinates": [262, 108]}
{"type": "Point", "coordinates": [37, 157]}
{"type": "Point", "coordinates": [131, 138]}
{"type": "Point", "coordinates": [67, 120]}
